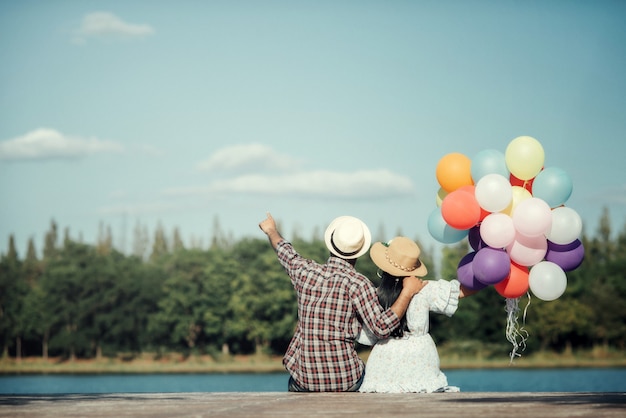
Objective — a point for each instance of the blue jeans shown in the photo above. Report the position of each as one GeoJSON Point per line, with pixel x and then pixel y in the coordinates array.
{"type": "Point", "coordinates": [295, 387]}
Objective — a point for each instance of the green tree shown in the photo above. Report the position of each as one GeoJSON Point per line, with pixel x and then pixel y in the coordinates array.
{"type": "Point", "coordinates": [159, 245]}
{"type": "Point", "coordinates": [13, 289]}
{"type": "Point", "coordinates": [140, 241]}
{"type": "Point", "coordinates": [193, 308]}
{"type": "Point", "coordinates": [63, 282]}
{"type": "Point", "coordinates": [263, 304]}
{"type": "Point", "coordinates": [50, 241]}
{"type": "Point", "coordinates": [559, 323]}
{"type": "Point", "coordinates": [140, 288]}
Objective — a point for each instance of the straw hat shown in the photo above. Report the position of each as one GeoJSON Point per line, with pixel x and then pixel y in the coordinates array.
{"type": "Point", "coordinates": [347, 237]}
{"type": "Point", "coordinates": [399, 257]}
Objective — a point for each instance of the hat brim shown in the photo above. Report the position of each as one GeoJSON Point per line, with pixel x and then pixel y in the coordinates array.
{"type": "Point", "coordinates": [377, 254]}
{"type": "Point", "coordinates": [367, 238]}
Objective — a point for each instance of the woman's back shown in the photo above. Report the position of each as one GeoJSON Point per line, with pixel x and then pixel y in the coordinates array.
{"type": "Point", "coordinates": [411, 363]}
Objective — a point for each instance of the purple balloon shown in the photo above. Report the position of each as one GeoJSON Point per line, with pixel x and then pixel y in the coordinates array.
{"type": "Point", "coordinates": [465, 273]}
{"type": "Point", "coordinates": [491, 265]}
{"type": "Point", "coordinates": [473, 236]}
{"type": "Point", "coordinates": [567, 256]}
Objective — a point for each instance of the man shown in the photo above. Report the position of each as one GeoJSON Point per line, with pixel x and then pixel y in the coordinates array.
{"type": "Point", "coordinates": [334, 302]}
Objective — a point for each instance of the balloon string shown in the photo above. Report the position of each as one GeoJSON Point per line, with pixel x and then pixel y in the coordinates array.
{"type": "Point", "coordinates": [513, 331]}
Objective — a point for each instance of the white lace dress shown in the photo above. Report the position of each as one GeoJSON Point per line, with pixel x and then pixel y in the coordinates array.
{"type": "Point", "coordinates": [411, 363]}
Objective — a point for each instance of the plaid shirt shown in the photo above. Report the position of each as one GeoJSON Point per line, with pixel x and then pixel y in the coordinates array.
{"type": "Point", "coordinates": [334, 301]}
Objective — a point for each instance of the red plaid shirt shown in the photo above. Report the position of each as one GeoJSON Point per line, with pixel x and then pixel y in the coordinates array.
{"type": "Point", "coordinates": [334, 300]}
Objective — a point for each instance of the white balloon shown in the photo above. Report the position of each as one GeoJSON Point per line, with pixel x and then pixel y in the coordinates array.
{"type": "Point", "coordinates": [493, 192]}
{"type": "Point", "coordinates": [497, 230]}
{"type": "Point", "coordinates": [532, 217]}
{"type": "Point", "coordinates": [547, 280]}
{"type": "Point", "coordinates": [566, 226]}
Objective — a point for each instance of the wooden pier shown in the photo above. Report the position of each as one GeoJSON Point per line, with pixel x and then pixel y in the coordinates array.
{"type": "Point", "coordinates": [285, 404]}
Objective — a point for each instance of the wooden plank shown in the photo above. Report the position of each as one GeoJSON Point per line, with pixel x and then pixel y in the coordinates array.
{"type": "Point", "coordinates": [284, 404]}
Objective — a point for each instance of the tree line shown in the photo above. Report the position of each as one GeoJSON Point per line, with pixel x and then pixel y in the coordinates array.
{"type": "Point", "coordinates": [87, 301]}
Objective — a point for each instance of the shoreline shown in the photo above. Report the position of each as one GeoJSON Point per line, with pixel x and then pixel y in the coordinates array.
{"type": "Point", "coordinates": [173, 363]}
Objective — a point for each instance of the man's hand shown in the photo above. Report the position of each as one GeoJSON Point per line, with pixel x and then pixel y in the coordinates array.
{"type": "Point", "coordinates": [410, 287]}
{"type": "Point", "coordinates": [268, 224]}
{"type": "Point", "coordinates": [413, 285]}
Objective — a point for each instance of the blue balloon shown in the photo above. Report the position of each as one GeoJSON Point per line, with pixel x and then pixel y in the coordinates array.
{"type": "Point", "coordinates": [443, 232]}
{"type": "Point", "coordinates": [489, 161]}
{"type": "Point", "coordinates": [553, 185]}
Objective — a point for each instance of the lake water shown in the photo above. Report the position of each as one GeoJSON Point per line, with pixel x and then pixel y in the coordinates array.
{"type": "Point", "coordinates": [498, 380]}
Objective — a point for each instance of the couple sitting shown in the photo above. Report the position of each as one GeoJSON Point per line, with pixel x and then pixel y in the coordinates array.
{"type": "Point", "coordinates": [338, 306]}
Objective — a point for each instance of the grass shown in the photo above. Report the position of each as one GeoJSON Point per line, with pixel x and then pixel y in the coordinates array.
{"type": "Point", "coordinates": [176, 363]}
{"type": "Point", "coordinates": [145, 363]}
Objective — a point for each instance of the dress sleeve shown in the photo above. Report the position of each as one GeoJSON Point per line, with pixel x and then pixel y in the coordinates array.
{"type": "Point", "coordinates": [443, 296]}
{"type": "Point", "coordinates": [366, 337]}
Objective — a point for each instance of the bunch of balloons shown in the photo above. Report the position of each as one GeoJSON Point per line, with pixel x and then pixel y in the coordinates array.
{"type": "Point", "coordinates": [512, 210]}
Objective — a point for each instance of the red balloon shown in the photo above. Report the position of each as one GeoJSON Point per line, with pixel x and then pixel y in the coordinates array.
{"type": "Point", "coordinates": [516, 284]}
{"type": "Point", "coordinates": [526, 184]}
{"type": "Point", "coordinates": [460, 209]}
{"type": "Point", "coordinates": [470, 188]}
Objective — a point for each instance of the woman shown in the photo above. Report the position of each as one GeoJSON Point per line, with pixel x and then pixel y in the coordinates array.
{"type": "Point", "coordinates": [408, 361]}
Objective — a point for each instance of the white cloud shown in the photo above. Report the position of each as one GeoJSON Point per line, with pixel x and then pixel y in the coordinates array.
{"type": "Point", "coordinates": [248, 158]}
{"type": "Point", "coordinates": [330, 184]}
{"type": "Point", "coordinates": [50, 144]}
{"type": "Point", "coordinates": [106, 25]}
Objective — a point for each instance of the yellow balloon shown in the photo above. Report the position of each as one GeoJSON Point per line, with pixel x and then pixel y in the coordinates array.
{"type": "Point", "coordinates": [524, 157]}
{"type": "Point", "coordinates": [441, 194]}
{"type": "Point", "coordinates": [454, 171]}
{"type": "Point", "coordinates": [519, 194]}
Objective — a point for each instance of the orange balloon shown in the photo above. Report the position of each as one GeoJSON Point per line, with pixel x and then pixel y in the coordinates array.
{"type": "Point", "coordinates": [460, 209]}
{"type": "Point", "coordinates": [516, 284]}
{"type": "Point", "coordinates": [454, 171]}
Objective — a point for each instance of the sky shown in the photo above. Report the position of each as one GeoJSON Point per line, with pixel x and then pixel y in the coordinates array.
{"type": "Point", "coordinates": [191, 114]}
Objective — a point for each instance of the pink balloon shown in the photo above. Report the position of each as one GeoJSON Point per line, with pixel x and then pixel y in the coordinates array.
{"type": "Point", "coordinates": [527, 251]}
{"type": "Point", "coordinates": [497, 230]}
{"type": "Point", "coordinates": [532, 217]}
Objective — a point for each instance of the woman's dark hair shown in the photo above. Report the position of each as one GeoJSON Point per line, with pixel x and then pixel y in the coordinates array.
{"type": "Point", "coordinates": [388, 291]}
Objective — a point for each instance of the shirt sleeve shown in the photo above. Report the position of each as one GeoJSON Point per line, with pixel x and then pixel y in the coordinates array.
{"type": "Point", "coordinates": [290, 259]}
{"type": "Point", "coordinates": [379, 321]}
{"type": "Point", "coordinates": [443, 296]}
